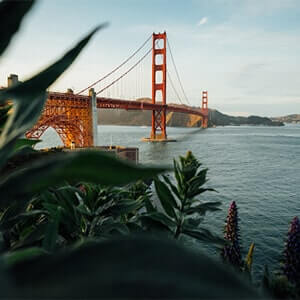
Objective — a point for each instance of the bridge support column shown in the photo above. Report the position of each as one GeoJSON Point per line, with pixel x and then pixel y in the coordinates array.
{"type": "Point", "coordinates": [92, 94]}
{"type": "Point", "coordinates": [204, 109]}
{"type": "Point", "coordinates": [158, 130]}
{"type": "Point", "coordinates": [159, 84]}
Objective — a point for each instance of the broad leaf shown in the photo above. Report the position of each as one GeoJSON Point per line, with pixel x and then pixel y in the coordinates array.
{"type": "Point", "coordinates": [204, 235]}
{"type": "Point", "coordinates": [31, 236]}
{"type": "Point", "coordinates": [20, 256]}
{"type": "Point", "coordinates": [145, 269]}
{"type": "Point", "coordinates": [92, 166]}
{"type": "Point", "coordinates": [172, 186]}
{"type": "Point", "coordinates": [123, 207]}
{"type": "Point", "coordinates": [198, 191]}
{"type": "Point", "coordinates": [149, 206]}
{"type": "Point", "coordinates": [4, 115]}
{"type": "Point", "coordinates": [178, 176]}
{"type": "Point", "coordinates": [16, 217]}
{"type": "Point", "coordinates": [203, 208]}
{"type": "Point", "coordinates": [11, 16]}
{"type": "Point", "coordinates": [29, 98]}
{"type": "Point", "coordinates": [161, 218]}
{"type": "Point", "coordinates": [23, 143]}
{"type": "Point", "coordinates": [166, 198]}
{"type": "Point", "coordinates": [51, 232]}
{"type": "Point", "coordinates": [109, 226]}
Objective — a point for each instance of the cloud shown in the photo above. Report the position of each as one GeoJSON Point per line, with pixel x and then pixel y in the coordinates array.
{"type": "Point", "coordinates": [202, 21]}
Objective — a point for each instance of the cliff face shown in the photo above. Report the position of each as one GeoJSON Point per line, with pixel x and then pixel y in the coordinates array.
{"type": "Point", "coordinates": [143, 118]}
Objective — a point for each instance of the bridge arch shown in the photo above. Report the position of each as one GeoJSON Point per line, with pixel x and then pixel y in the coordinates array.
{"type": "Point", "coordinates": [69, 132]}
{"type": "Point", "coordinates": [72, 120]}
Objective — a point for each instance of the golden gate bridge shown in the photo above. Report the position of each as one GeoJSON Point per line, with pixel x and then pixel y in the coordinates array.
{"type": "Point", "coordinates": [74, 116]}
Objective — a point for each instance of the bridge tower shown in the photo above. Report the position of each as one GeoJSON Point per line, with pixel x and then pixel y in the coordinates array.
{"type": "Point", "coordinates": [204, 109]}
{"type": "Point", "coordinates": [159, 84]}
{"type": "Point", "coordinates": [94, 114]}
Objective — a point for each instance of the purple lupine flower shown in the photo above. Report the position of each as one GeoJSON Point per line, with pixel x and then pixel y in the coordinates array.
{"type": "Point", "coordinates": [291, 263]}
{"type": "Point", "coordinates": [232, 253]}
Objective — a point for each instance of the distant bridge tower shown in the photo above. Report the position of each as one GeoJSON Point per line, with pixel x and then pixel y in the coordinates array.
{"type": "Point", "coordinates": [204, 109]}
{"type": "Point", "coordinates": [159, 84]}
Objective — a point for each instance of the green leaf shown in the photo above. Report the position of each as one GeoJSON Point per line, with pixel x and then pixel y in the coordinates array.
{"type": "Point", "coordinates": [11, 16]}
{"type": "Point", "coordinates": [134, 227]}
{"type": "Point", "coordinates": [108, 226]}
{"type": "Point", "coordinates": [4, 115]}
{"type": "Point", "coordinates": [159, 217]}
{"type": "Point", "coordinates": [149, 206]}
{"type": "Point", "coordinates": [199, 191]}
{"type": "Point", "coordinates": [172, 186]}
{"type": "Point", "coordinates": [66, 197]}
{"type": "Point", "coordinates": [29, 98]}
{"type": "Point", "coordinates": [123, 207]}
{"type": "Point", "coordinates": [50, 207]}
{"type": "Point", "coordinates": [7, 223]}
{"type": "Point", "coordinates": [198, 180]}
{"type": "Point", "coordinates": [20, 256]}
{"type": "Point", "coordinates": [166, 198]}
{"type": "Point", "coordinates": [13, 210]}
{"type": "Point", "coordinates": [83, 209]}
{"type": "Point", "coordinates": [178, 176]}
{"type": "Point", "coordinates": [203, 208]}
{"type": "Point", "coordinates": [146, 268]}
{"type": "Point", "coordinates": [92, 166]}
{"type": "Point", "coordinates": [204, 235]}
{"type": "Point", "coordinates": [193, 222]}
{"type": "Point", "coordinates": [23, 143]}
{"type": "Point", "coordinates": [30, 236]}
{"type": "Point", "coordinates": [51, 233]}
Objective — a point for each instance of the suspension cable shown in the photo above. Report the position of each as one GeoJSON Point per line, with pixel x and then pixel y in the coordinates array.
{"type": "Point", "coordinates": [124, 74]}
{"type": "Point", "coordinates": [174, 89]}
{"type": "Point", "coordinates": [181, 86]}
{"type": "Point", "coordinates": [118, 67]}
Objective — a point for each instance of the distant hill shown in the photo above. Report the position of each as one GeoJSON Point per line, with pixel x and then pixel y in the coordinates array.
{"type": "Point", "coordinates": [295, 118]}
{"type": "Point", "coordinates": [219, 119]}
{"type": "Point", "coordinates": [143, 118]}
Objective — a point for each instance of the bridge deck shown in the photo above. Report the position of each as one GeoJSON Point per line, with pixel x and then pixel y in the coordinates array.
{"type": "Point", "coordinates": [110, 103]}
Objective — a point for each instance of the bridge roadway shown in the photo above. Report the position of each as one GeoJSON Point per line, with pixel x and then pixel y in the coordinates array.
{"type": "Point", "coordinates": [109, 103]}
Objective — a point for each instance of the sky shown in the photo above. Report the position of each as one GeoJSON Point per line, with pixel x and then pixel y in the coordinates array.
{"type": "Point", "coordinates": [245, 53]}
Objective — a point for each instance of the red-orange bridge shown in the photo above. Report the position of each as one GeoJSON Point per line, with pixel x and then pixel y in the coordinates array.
{"type": "Point", "coordinates": [74, 116]}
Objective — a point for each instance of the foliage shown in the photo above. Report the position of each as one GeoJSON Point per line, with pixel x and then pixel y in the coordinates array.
{"type": "Point", "coordinates": [61, 216]}
{"type": "Point", "coordinates": [183, 211]}
{"type": "Point", "coordinates": [25, 220]}
{"type": "Point", "coordinates": [65, 217]}
{"type": "Point", "coordinates": [129, 267]}
{"type": "Point", "coordinates": [285, 284]}
{"type": "Point", "coordinates": [278, 286]}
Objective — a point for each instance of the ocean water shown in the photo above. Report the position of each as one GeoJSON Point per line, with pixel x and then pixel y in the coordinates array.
{"type": "Point", "coordinates": [258, 167]}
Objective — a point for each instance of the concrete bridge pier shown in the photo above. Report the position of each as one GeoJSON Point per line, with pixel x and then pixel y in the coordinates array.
{"type": "Point", "coordinates": [92, 94]}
